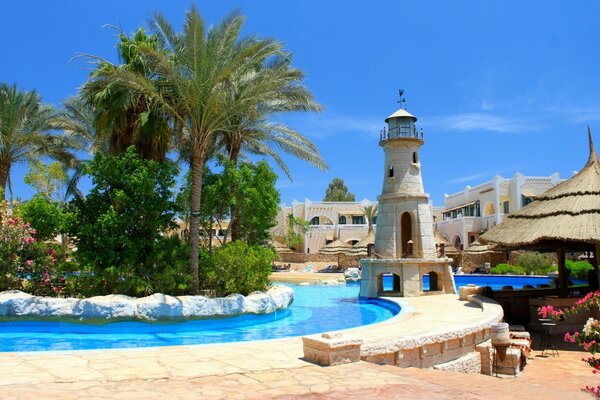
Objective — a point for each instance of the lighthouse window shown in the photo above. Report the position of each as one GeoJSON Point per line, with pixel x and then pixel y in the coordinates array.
{"type": "Point", "coordinates": [391, 171]}
{"type": "Point", "coordinates": [415, 157]}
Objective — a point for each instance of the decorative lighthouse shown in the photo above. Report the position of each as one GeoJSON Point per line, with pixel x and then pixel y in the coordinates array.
{"type": "Point", "coordinates": [404, 241]}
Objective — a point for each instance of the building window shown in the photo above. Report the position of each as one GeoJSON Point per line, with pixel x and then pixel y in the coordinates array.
{"type": "Point", "coordinates": [526, 200]}
{"type": "Point", "coordinates": [342, 220]}
{"type": "Point", "coordinates": [314, 221]}
{"type": "Point", "coordinates": [358, 219]}
{"type": "Point", "coordinates": [505, 207]}
{"type": "Point", "coordinates": [477, 209]}
{"type": "Point", "coordinates": [415, 157]}
{"type": "Point", "coordinates": [471, 239]}
{"type": "Point", "coordinates": [374, 220]}
{"type": "Point", "coordinates": [391, 171]}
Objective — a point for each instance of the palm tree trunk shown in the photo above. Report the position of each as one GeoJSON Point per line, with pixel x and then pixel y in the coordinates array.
{"type": "Point", "coordinates": [234, 154]}
{"type": "Point", "coordinates": [4, 173]}
{"type": "Point", "coordinates": [197, 167]}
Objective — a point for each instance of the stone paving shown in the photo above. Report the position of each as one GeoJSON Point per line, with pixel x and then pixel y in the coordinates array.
{"type": "Point", "coordinates": [275, 369]}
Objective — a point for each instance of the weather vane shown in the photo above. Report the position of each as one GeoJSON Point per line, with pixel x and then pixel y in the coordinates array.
{"type": "Point", "coordinates": [402, 100]}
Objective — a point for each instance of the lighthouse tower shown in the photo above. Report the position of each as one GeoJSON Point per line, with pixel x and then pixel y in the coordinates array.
{"type": "Point", "coordinates": [404, 241]}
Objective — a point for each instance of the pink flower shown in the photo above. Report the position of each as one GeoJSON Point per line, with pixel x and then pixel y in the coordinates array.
{"type": "Point", "coordinates": [29, 262]}
{"type": "Point", "coordinates": [32, 231]}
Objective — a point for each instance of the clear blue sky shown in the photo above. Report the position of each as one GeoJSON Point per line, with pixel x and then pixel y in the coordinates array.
{"type": "Point", "coordinates": [498, 86]}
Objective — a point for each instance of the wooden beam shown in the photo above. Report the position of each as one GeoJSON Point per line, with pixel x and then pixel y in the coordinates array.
{"type": "Point", "coordinates": [562, 272]}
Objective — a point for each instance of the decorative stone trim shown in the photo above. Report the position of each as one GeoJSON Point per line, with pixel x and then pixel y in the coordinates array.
{"type": "Point", "coordinates": [331, 349]}
{"type": "Point", "coordinates": [14, 303]}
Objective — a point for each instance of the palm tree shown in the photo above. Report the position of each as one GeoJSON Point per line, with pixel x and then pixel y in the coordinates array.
{"type": "Point", "coordinates": [274, 87]}
{"type": "Point", "coordinates": [370, 213]}
{"type": "Point", "coordinates": [25, 125]}
{"type": "Point", "coordinates": [125, 118]}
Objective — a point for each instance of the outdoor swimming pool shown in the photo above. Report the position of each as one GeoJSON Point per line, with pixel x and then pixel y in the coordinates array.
{"type": "Point", "coordinates": [316, 308]}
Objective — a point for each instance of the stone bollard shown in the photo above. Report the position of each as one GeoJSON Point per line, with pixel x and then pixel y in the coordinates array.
{"type": "Point", "coordinates": [331, 349]}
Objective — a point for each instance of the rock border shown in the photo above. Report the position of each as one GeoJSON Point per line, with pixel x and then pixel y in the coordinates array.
{"type": "Point", "coordinates": [14, 303]}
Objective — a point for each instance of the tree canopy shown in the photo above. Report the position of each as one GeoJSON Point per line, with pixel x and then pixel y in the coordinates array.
{"type": "Point", "coordinates": [337, 191]}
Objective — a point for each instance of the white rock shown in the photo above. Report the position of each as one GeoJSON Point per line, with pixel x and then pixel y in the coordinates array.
{"type": "Point", "coordinates": [198, 306]}
{"type": "Point", "coordinates": [230, 305]}
{"type": "Point", "coordinates": [282, 295]}
{"type": "Point", "coordinates": [352, 274]}
{"type": "Point", "coordinates": [158, 306]}
{"type": "Point", "coordinates": [14, 302]}
{"type": "Point", "coordinates": [259, 303]}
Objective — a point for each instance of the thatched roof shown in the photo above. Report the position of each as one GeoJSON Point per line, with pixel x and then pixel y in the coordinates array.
{"type": "Point", "coordinates": [479, 248]}
{"type": "Point", "coordinates": [280, 247]}
{"type": "Point", "coordinates": [569, 212]}
{"type": "Point", "coordinates": [360, 248]}
{"type": "Point", "coordinates": [335, 247]}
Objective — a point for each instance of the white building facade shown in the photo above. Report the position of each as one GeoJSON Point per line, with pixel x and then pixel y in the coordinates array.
{"type": "Point", "coordinates": [469, 213]}
{"type": "Point", "coordinates": [327, 221]}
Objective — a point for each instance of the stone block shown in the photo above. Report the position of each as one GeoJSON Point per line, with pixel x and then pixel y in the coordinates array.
{"type": "Point", "coordinates": [431, 360]}
{"type": "Point", "coordinates": [449, 355]}
{"type": "Point", "coordinates": [468, 340]}
{"type": "Point", "coordinates": [408, 355]}
{"type": "Point", "coordinates": [510, 364]}
{"type": "Point", "coordinates": [451, 344]}
{"type": "Point", "coordinates": [331, 349]}
{"type": "Point", "coordinates": [486, 352]}
{"type": "Point", "coordinates": [468, 364]}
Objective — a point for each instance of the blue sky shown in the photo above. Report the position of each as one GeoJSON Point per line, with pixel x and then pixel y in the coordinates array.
{"type": "Point", "coordinates": [498, 86]}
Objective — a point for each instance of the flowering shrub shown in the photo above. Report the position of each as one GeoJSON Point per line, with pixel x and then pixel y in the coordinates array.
{"type": "Point", "coordinates": [588, 338]}
{"type": "Point", "coordinates": [25, 263]}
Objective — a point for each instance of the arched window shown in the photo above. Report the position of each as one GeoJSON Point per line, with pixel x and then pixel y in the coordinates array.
{"type": "Point", "coordinates": [314, 221]}
{"type": "Point", "coordinates": [415, 157]}
{"type": "Point", "coordinates": [391, 171]}
{"type": "Point", "coordinates": [342, 220]}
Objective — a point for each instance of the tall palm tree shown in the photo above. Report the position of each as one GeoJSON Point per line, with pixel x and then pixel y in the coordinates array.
{"type": "Point", "coordinates": [274, 87]}
{"type": "Point", "coordinates": [123, 117]}
{"type": "Point", "coordinates": [25, 125]}
{"type": "Point", "coordinates": [190, 88]}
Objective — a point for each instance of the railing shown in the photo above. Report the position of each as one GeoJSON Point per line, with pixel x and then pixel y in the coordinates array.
{"type": "Point", "coordinates": [353, 226]}
{"type": "Point", "coordinates": [401, 132]}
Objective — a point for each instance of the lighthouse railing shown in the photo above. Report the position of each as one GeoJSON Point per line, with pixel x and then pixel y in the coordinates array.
{"type": "Point", "coordinates": [401, 132]}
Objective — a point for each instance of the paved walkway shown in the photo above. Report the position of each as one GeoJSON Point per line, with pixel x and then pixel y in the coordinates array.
{"type": "Point", "coordinates": [274, 369]}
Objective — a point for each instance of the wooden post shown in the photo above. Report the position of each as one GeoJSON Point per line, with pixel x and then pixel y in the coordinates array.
{"type": "Point", "coordinates": [562, 272]}
{"type": "Point", "coordinates": [596, 254]}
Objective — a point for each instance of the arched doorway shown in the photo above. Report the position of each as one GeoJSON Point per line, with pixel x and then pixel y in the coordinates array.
{"type": "Point", "coordinates": [430, 282]}
{"type": "Point", "coordinates": [406, 234]}
{"type": "Point", "coordinates": [458, 243]}
{"type": "Point", "coordinates": [388, 282]}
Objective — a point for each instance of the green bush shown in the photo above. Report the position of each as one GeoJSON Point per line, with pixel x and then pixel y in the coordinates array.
{"type": "Point", "coordinates": [507, 269]}
{"type": "Point", "coordinates": [45, 216]}
{"type": "Point", "coordinates": [578, 269]}
{"type": "Point", "coordinates": [237, 267]}
{"type": "Point", "coordinates": [118, 228]}
{"type": "Point", "coordinates": [536, 263]}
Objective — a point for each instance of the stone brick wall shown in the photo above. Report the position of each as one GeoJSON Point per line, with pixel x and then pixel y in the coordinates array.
{"type": "Point", "coordinates": [345, 260]}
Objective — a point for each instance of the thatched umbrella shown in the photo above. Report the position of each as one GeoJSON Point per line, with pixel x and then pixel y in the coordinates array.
{"type": "Point", "coordinates": [564, 217]}
{"type": "Point", "coordinates": [336, 247]}
{"type": "Point", "coordinates": [280, 248]}
{"type": "Point", "coordinates": [479, 248]}
{"type": "Point", "coordinates": [360, 248]}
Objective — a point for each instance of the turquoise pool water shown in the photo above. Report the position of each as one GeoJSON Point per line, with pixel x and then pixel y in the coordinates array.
{"type": "Point", "coordinates": [317, 308]}
{"type": "Point", "coordinates": [496, 282]}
